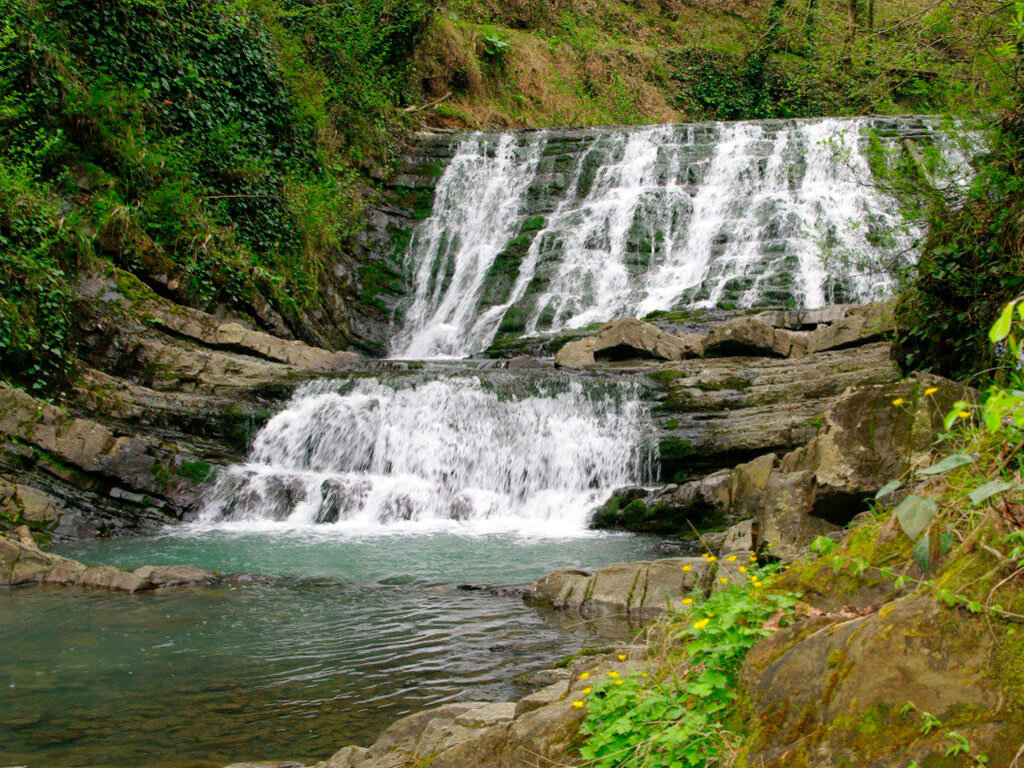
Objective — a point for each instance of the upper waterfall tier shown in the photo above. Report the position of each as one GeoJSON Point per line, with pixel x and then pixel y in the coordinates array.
{"type": "Point", "coordinates": [540, 231]}
{"type": "Point", "coordinates": [502, 453]}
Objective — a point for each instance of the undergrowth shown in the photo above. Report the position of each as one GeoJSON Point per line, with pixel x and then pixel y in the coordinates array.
{"type": "Point", "coordinates": [219, 150]}
{"type": "Point", "coordinates": [677, 716]}
{"type": "Point", "coordinates": [577, 62]}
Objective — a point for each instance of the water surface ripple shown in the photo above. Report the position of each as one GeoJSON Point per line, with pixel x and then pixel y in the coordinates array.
{"type": "Point", "coordinates": [350, 634]}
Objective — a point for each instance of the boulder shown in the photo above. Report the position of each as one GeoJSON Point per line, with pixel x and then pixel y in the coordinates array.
{"type": "Point", "coordinates": [793, 334]}
{"type": "Point", "coordinates": [753, 335]}
{"type": "Point", "coordinates": [174, 575]}
{"type": "Point", "coordinates": [345, 757]}
{"type": "Point", "coordinates": [109, 577]}
{"type": "Point", "coordinates": [739, 538]}
{"type": "Point", "coordinates": [874, 434]}
{"type": "Point", "coordinates": [636, 588]}
{"type": "Point", "coordinates": [628, 339]}
{"type": "Point", "coordinates": [830, 692]}
{"type": "Point", "coordinates": [669, 509]}
{"type": "Point", "coordinates": [546, 695]}
{"type": "Point", "coordinates": [784, 521]}
{"type": "Point", "coordinates": [22, 562]}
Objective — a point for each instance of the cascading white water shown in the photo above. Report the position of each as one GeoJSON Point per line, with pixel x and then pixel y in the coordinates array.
{"type": "Point", "coordinates": [457, 452]}
{"type": "Point", "coordinates": [654, 218]}
{"type": "Point", "coordinates": [457, 245]}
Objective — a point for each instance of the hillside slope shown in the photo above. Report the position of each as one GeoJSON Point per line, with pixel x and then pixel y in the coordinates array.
{"type": "Point", "coordinates": [228, 154]}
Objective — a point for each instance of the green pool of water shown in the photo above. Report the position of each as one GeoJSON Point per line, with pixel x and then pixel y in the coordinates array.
{"type": "Point", "coordinates": [350, 634]}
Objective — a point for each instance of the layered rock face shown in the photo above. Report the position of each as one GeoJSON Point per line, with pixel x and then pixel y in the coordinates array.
{"type": "Point", "coordinates": [166, 395]}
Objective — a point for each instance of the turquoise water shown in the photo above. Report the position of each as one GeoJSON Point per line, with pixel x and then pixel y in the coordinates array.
{"type": "Point", "coordinates": [349, 634]}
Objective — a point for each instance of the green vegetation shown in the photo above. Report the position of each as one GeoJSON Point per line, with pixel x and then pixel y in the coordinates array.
{"type": "Point", "coordinates": [218, 149]}
{"type": "Point", "coordinates": [957, 539]}
{"type": "Point", "coordinates": [972, 263]}
{"type": "Point", "coordinates": [676, 716]}
{"type": "Point", "coordinates": [612, 62]}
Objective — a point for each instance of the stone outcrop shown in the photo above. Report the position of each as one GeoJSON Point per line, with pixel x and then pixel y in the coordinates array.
{"type": "Point", "coordinates": [628, 339]}
{"type": "Point", "coordinates": [867, 436]}
{"type": "Point", "coordinates": [830, 691]}
{"type": "Point", "coordinates": [715, 412]}
{"type": "Point", "coordinates": [540, 729]}
{"type": "Point", "coordinates": [23, 563]}
{"type": "Point", "coordinates": [166, 395]}
{"type": "Point", "coordinates": [641, 588]}
{"type": "Point", "coordinates": [728, 493]}
{"type": "Point", "coordinates": [786, 334]}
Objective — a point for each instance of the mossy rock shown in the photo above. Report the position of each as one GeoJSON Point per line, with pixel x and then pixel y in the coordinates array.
{"type": "Point", "coordinates": [829, 691]}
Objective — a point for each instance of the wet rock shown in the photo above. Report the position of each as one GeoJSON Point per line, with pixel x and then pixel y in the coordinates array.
{"type": "Point", "coordinates": [174, 575]}
{"type": "Point", "coordinates": [636, 588]}
{"type": "Point", "coordinates": [22, 563]}
{"type": "Point", "coordinates": [627, 339]}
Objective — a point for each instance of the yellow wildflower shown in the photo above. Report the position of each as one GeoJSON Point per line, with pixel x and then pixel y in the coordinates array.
{"type": "Point", "coordinates": [898, 401]}
{"type": "Point", "coordinates": [742, 569]}
{"type": "Point", "coordinates": [613, 673]}
{"type": "Point", "coordinates": [753, 558]}
{"type": "Point", "coordinates": [618, 682]}
{"type": "Point", "coordinates": [588, 689]}
{"type": "Point", "coordinates": [701, 624]}
{"type": "Point", "coordinates": [622, 657]}
{"type": "Point", "coordinates": [578, 703]}
{"type": "Point", "coordinates": [931, 390]}
{"type": "Point", "coordinates": [731, 559]}
{"type": "Point", "coordinates": [686, 568]}
{"type": "Point", "coordinates": [706, 555]}
{"type": "Point", "coordinates": [584, 676]}
{"type": "Point", "coordinates": [643, 674]}
{"type": "Point", "coordinates": [964, 414]}
{"type": "Point", "coordinates": [712, 558]}
{"type": "Point", "coordinates": [724, 579]}
{"type": "Point", "coordinates": [687, 600]}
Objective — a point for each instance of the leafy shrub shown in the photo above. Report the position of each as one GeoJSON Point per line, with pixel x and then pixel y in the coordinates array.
{"type": "Point", "coordinates": [971, 264]}
{"type": "Point", "coordinates": [224, 144]}
{"type": "Point", "coordinates": [679, 720]}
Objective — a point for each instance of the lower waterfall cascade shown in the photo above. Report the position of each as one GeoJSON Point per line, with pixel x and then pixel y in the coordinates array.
{"type": "Point", "coordinates": [541, 231]}
{"type": "Point", "coordinates": [454, 451]}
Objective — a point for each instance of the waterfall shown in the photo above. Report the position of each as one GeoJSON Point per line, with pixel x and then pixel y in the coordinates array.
{"type": "Point", "coordinates": [464, 452]}
{"type": "Point", "coordinates": [542, 231]}
{"type": "Point", "coordinates": [477, 203]}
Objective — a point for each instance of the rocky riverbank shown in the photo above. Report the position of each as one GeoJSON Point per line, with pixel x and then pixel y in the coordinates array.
{"type": "Point", "coordinates": [23, 563]}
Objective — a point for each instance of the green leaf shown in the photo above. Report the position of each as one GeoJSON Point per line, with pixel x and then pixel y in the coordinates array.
{"type": "Point", "coordinates": [927, 556]}
{"type": "Point", "coordinates": [914, 514]}
{"type": "Point", "coordinates": [988, 490]}
{"type": "Point", "coordinates": [1001, 329]}
{"type": "Point", "coordinates": [948, 463]}
{"type": "Point", "coordinates": [888, 488]}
